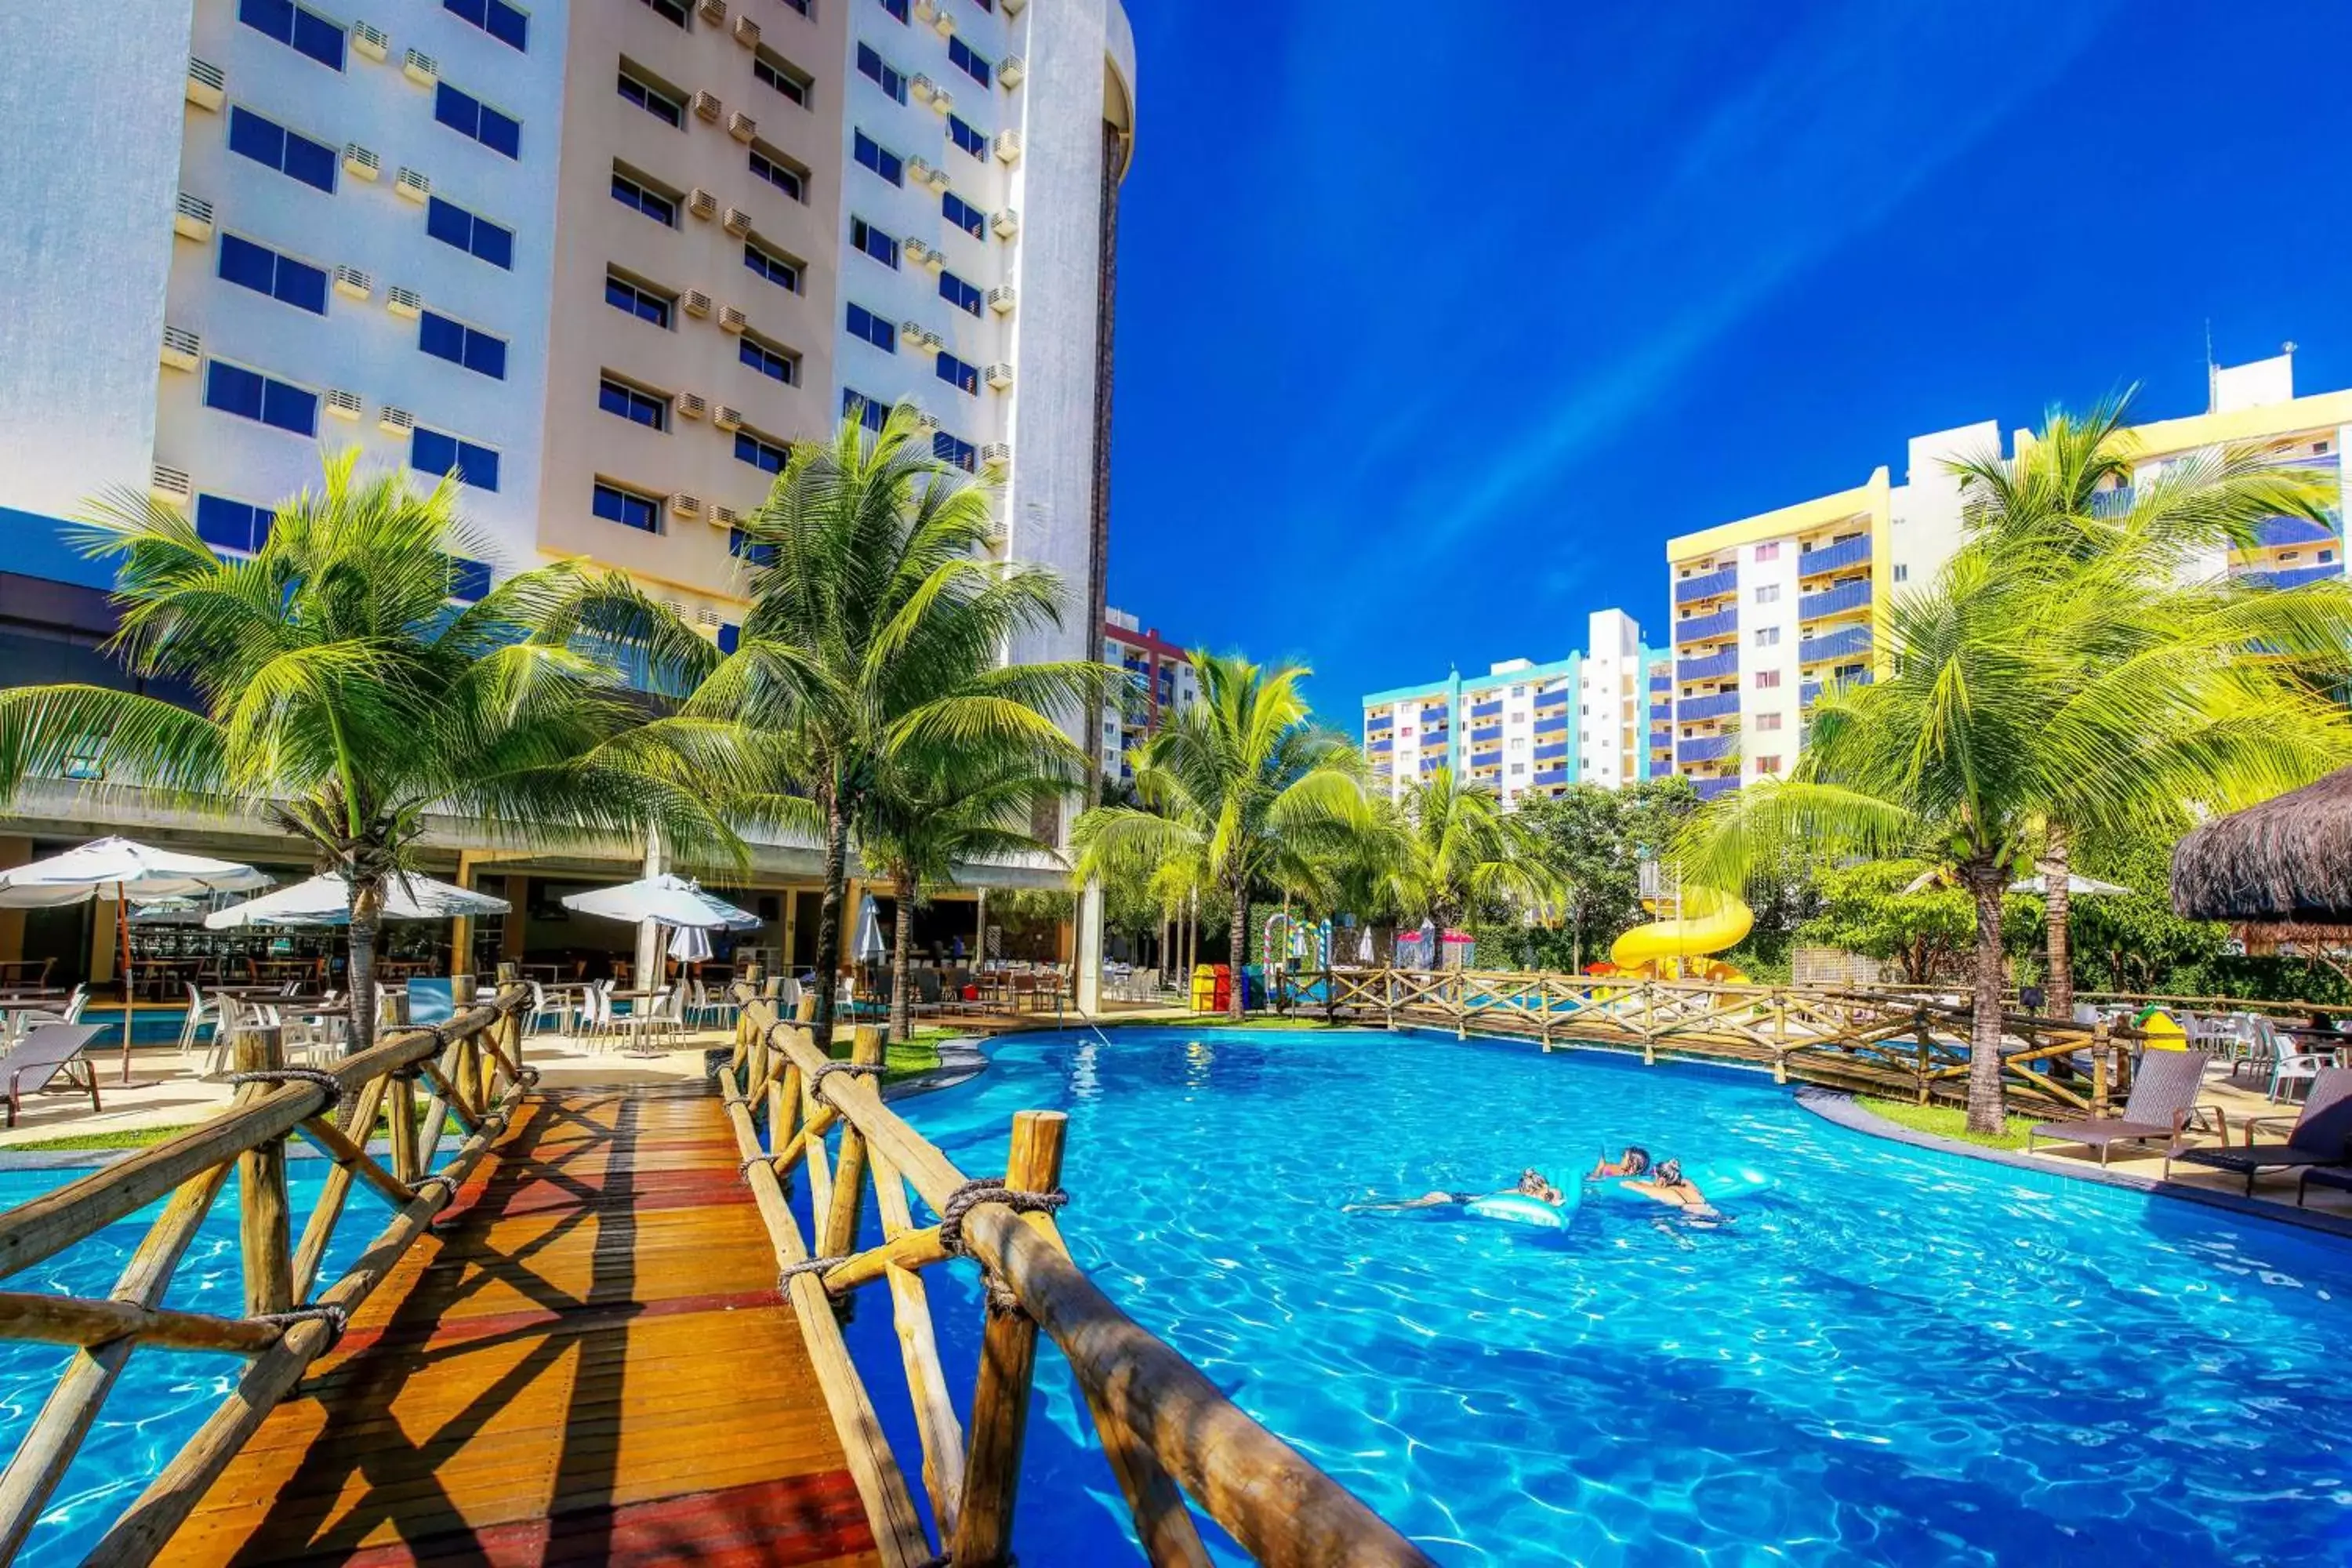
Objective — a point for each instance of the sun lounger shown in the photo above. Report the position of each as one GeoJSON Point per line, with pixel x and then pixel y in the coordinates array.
{"type": "Point", "coordinates": [2321, 1135]}
{"type": "Point", "coordinates": [2338, 1176]}
{"type": "Point", "coordinates": [51, 1059]}
{"type": "Point", "coordinates": [2163, 1101]}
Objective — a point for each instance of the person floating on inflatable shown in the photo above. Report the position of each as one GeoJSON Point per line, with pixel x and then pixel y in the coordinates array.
{"type": "Point", "coordinates": [1533, 1201]}
{"type": "Point", "coordinates": [1670, 1186]}
{"type": "Point", "coordinates": [1633, 1161]}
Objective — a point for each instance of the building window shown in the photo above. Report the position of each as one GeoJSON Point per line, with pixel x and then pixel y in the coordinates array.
{"type": "Point", "coordinates": [1768, 720]}
{"type": "Point", "coordinates": [633, 404]}
{"type": "Point", "coordinates": [1768, 552]}
{"type": "Point", "coordinates": [774, 169]}
{"type": "Point", "coordinates": [663, 106]}
{"type": "Point", "coordinates": [759, 452]}
{"type": "Point", "coordinates": [249, 395]}
{"type": "Point", "coordinates": [743, 547]}
{"type": "Point", "coordinates": [881, 73]}
{"type": "Point", "coordinates": [670, 11]}
{"type": "Point", "coordinates": [470, 580]}
{"type": "Point", "coordinates": [1903, 571]}
{"type": "Point", "coordinates": [1518, 768]}
{"type": "Point", "coordinates": [864, 237]}
{"type": "Point", "coordinates": [775, 364]}
{"type": "Point", "coordinates": [960, 55]}
{"type": "Point", "coordinates": [1766, 679]}
{"type": "Point", "coordinates": [304, 32]}
{"type": "Point", "coordinates": [1768, 765]}
{"type": "Point", "coordinates": [879, 159]}
{"type": "Point", "coordinates": [1768, 637]}
{"type": "Point", "coordinates": [968, 136]}
{"type": "Point", "coordinates": [963, 215]}
{"type": "Point", "coordinates": [946, 449]}
{"type": "Point", "coordinates": [1768, 593]}
{"type": "Point", "coordinates": [227, 525]}
{"type": "Point", "coordinates": [501, 21]}
{"type": "Point", "coordinates": [436, 453]}
{"type": "Point", "coordinates": [867, 327]}
{"type": "Point", "coordinates": [289, 152]}
{"type": "Point", "coordinates": [783, 274]}
{"type": "Point", "coordinates": [639, 300]}
{"type": "Point", "coordinates": [628, 508]}
{"type": "Point", "coordinates": [469, 232]}
{"type": "Point", "coordinates": [963, 296]}
{"type": "Point", "coordinates": [469, 116]}
{"type": "Point", "coordinates": [458, 344]}
{"type": "Point", "coordinates": [780, 74]}
{"type": "Point", "coordinates": [263, 270]}
{"type": "Point", "coordinates": [964, 378]}
{"type": "Point", "coordinates": [871, 411]}
{"type": "Point", "coordinates": [631, 191]}
{"type": "Point", "coordinates": [895, 7]}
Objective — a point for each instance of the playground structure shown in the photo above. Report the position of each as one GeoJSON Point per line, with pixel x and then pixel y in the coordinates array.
{"type": "Point", "coordinates": [1286, 941]}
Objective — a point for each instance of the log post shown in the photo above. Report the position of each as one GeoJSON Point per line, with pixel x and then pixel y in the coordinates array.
{"type": "Point", "coordinates": [1008, 1358]}
{"type": "Point", "coordinates": [401, 1097]}
{"type": "Point", "coordinates": [457, 1064]}
{"type": "Point", "coordinates": [2100, 1047]}
{"type": "Point", "coordinates": [839, 1234]}
{"type": "Point", "coordinates": [804, 1010]}
{"type": "Point", "coordinates": [264, 1233]}
{"type": "Point", "coordinates": [1919, 1035]}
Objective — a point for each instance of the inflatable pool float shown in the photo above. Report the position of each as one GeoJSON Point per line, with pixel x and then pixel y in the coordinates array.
{"type": "Point", "coordinates": [1517, 1209]}
{"type": "Point", "coordinates": [1716, 1182]}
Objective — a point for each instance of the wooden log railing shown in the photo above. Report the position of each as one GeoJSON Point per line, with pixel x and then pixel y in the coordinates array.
{"type": "Point", "coordinates": [1907, 1043]}
{"type": "Point", "coordinates": [1168, 1433]}
{"type": "Point", "coordinates": [472, 1066]}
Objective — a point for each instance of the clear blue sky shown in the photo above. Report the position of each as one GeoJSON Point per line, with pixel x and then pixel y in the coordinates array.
{"type": "Point", "coordinates": [1435, 320]}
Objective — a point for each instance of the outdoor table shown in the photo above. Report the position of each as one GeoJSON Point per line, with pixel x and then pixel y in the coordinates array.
{"type": "Point", "coordinates": [635, 1017]}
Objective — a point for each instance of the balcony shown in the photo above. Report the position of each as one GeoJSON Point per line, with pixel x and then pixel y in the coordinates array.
{"type": "Point", "coordinates": [1661, 682]}
{"type": "Point", "coordinates": [1710, 788]}
{"type": "Point", "coordinates": [1551, 724]}
{"type": "Point", "coordinates": [1430, 765]}
{"type": "Point", "coordinates": [1434, 715]}
{"type": "Point", "coordinates": [1378, 722]}
{"type": "Point", "coordinates": [1706, 585]}
{"type": "Point", "coordinates": [1550, 776]}
{"type": "Point", "coordinates": [1840, 644]}
{"type": "Point", "coordinates": [1714, 667]}
{"type": "Point", "coordinates": [1698, 628]}
{"type": "Point", "coordinates": [1486, 709]}
{"type": "Point", "coordinates": [1383, 746]}
{"type": "Point", "coordinates": [1662, 739]}
{"type": "Point", "coordinates": [1492, 734]}
{"type": "Point", "coordinates": [1854, 595]}
{"type": "Point", "coordinates": [1832, 557]}
{"type": "Point", "coordinates": [2295, 576]}
{"type": "Point", "coordinates": [1707, 748]}
{"type": "Point", "coordinates": [1661, 710]}
{"type": "Point", "coordinates": [1551, 754]}
{"type": "Point", "coordinates": [1550, 699]}
{"type": "Point", "coordinates": [1720, 705]}
{"type": "Point", "coordinates": [2276, 530]}
{"type": "Point", "coordinates": [1810, 689]}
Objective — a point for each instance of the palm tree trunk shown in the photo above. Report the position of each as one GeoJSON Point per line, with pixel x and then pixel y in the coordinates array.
{"type": "Point", "coordinates": [1986, 1107]}
{"type": "Point", "coordinates": [828, 918]}
{"type": "Point", "coordinates": [2058, 871]}
{"type": "Point", "coordinates": [367, 924]}
{"type": "Point", "coordinates": [902, 934]}
{"type": "Point", "coordinates": [1238, 947]}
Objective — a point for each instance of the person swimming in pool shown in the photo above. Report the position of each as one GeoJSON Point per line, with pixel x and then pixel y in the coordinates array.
{"type": "Point", "coordinates": [1532, 1183]}
{"type": "Point", "coordinates": [1668, 1186]}
{"type": "Point", "coordinates": [1633, 1161]}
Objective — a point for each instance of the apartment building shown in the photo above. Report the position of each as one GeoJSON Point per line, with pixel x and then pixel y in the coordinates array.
{"type": "Point", "coordinates": [1159, 683]}
{"type": "Point", "coordinates": [1526, 729]}
{"type": "Point", "coordinates": [1768, 609]}
{"type": "Point", "coordinates": [597, 257]}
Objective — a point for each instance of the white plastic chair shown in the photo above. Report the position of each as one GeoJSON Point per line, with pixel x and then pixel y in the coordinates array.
{"type": "Point", "coordinates": [542, 1009]}
{"type": "Point", "coordinates": [200, 1012]}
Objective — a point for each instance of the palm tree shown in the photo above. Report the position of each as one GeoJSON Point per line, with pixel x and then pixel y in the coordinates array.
{"type": "Point", "coordinates": [919, 821]}
{"type": "Point", "coordinates": [1244, 788]}
{"type": "Point", "coordinates": [876, 640]}
{"type": "Point", "coordinates": [2029, 684]}
{"type": "Point", "coordinates": [344, 696]}
{"type": "Point", "coordinates": [1460, 851]}
{"type": "Point", "coordinates": [2072, 490]}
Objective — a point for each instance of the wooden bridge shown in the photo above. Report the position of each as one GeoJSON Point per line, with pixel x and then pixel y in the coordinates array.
{"type": "Point", "coordinates": [598, 1332]}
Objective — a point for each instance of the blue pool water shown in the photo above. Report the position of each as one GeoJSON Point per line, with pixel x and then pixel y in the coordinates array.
{"type": "Point", "coordinates": [1892, 1356]}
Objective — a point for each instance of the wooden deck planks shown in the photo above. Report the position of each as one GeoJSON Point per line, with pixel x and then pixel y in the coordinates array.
{"type": "Point", "coordinates": [586, 1362]}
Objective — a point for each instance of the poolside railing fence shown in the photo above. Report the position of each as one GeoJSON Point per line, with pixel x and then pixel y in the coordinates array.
{"type": "Point", "coordinates": [1912, 1045]}
{"type": "Point", "coordinates": [1168, 1434]}
{"type": "Point", "coordinates": [472, 1069]}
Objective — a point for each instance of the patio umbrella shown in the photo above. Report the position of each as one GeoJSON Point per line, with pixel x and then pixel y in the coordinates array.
{"type": "Point", "coordinates": [691, 944]}
{"type": "Point", "coordinates": [870, 947]}
{"type": "Point", "coordinates": [671, 901]}
{"type": "Point", "coordinates": [2287, 861]}
{"type": "Point", "coordinates": [1364, 953]}
{"type": "Point", "coordinates": [326, 901]}
{"type": "Point", "coordinates": [2077, 884]}
{"type": "Point", "coordinates": [173, 912]}
{"type": "Point", "coordinates": [120, 870]}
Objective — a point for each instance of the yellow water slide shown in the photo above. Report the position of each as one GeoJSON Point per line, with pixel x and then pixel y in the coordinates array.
{"type": "Point", "coordinates": [1711, 921]}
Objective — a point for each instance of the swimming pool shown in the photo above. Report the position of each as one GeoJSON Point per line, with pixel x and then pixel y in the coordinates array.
{"type": "Point", "coordinates": [1893, 1356]}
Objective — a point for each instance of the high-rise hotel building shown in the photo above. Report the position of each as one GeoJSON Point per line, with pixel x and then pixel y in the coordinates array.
{"type": "Point", "coordinates": [1768, 609]}
{"type": "Point", "coordinates": [1525, 729]}
{"type": "Point", "coordinates": [606, 259]}
{"type": "Point", "coordinates": [1156, 682]}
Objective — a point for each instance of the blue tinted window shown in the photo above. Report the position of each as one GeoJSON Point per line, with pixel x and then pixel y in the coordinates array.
{"type": "Point", "coordinates": [730, 636]}
{"type": "Point", "coordinates": [958, 375]}
{"type": "Point", "coordinates": [434, 453]}
{"type": "Point", "coordinates": [867, 327]}
{"type": "Point", "coordinates": [629, 402]}
{"type": "Point", "coordinates": [652, 100]}
{"type": "Point", "coordinates": [759, 453]}
{"type": "Point", "coordinates": [776, 75]}
{"type": "Point", "coordinates": [772, 362]}
{"type": "Point", "coordinates": [948, 449]}
{"type": "Point", "coordinates": [304, 32]}
{"type": "Point", "coordinates": [895, 7]}
{"type": "Point", "coordinates": [743, 547]}
{"type": "Point", "coordinates": [468, 116]}
{"type": "Point", "coordinates": [249, 395]}
{"type": "Point", "coordinates": [651, 203]}
{"type": "Point", "coordinates": [501, 21]}
{"type": "Point", "coordinates": [970, 137]}
{"type": "Point", "coordinates": [783, 178]}
{"type": "Point", "coordinates": [960, 55]}
{"type": "Point", "coordinates": [628, 508]}
{"type": "Point", "coordinates": [879, 159]}
{"type": "Point", "coordinates": [871, 412]}
{"type": "Point", "coordinates": [963, 215]}
{"type": "Point", "coordinates": [887, 76]}
{"type": "Point", "coordinates": [672, 11]}
{"type": "Point", "coordinates": [963, 296]}
{"type": "Point", "coordinates": [264, 271]}
{"type": "Point", "coordinates": [864, 237]}
{"type": "Point", "coordinates": [774, 268]}
{"type": "Point", "coordinates": [227, 525]}
{"type": "Point", "coordinates": [469, 232]}
{"type": "Point", "coordinates": [470, 580]}
{"type": "Point", "coordinates": [637, 301]}
{"type": "Point", "coordinates": [475, 348]}
{"type": "Point", "coordinates": [288, 151]}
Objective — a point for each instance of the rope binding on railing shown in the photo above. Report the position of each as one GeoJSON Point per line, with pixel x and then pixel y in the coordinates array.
{"type": "Point", "coordinates": [319, 1076]}
{"type": "Point", "coordinates": [791, 1271]}
{"type": "Point", "coordinates": [435, 1179]}
{"type": "Point", "coordinates": [856, 1069]}
{"type": "Point", "coordinates": [336, 1319]}
{"type": "Point", "coordinates": [990, 1190]}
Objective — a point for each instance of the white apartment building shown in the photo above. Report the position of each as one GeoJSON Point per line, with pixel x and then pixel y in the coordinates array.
{"type": "Point", "coordinates": [1525, 729]}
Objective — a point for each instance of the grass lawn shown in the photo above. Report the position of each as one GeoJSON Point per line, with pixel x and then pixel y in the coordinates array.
{"type": "Point", "coordinates": [141, 1137]}
{"type": "Point", "coordinates": [1946, 1121]}
{"type": "Point", "coordinates": [905, 1059]}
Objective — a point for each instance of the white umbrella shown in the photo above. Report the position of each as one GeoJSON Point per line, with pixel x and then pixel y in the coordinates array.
{"type": "Point", "coordinates": [691, 944]}
{"type": "Point", "coordinates": [1364, 954]}
{"type": "Point", "coordinates": [171, 911]}
{"type": "Point", "coordinates": [672, 901]}
{"type": "Point", "coordinates": [2077, 884]}
{"type": "Point", "coordinates": [326, 901]}
{"type": "Point", "coordinates": [120, 870]}
{"type": "Point", "coordinates": [870, 947]}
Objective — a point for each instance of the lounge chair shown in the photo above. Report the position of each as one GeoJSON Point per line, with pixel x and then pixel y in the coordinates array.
{"type": "Point", "coordinates": [51, 1055]}
{"type": "Point", "coordinates": [2337, 1176]}
{"type": "Point", "coordinates": [929, 997]}
{"type": "Point", "coordinates": [2163, 1101]}
{"type": "Point", "coordinates": [2321, 1135]}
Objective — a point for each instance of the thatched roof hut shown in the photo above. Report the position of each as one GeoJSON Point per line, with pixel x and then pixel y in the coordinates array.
{"type": "Point", "coordinates": [2287, 860]}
